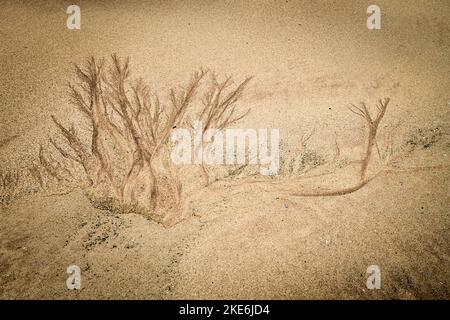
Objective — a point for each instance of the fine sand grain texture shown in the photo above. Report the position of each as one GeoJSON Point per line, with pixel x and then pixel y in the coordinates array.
{"type": "Point", "coordinates": [364, 140]}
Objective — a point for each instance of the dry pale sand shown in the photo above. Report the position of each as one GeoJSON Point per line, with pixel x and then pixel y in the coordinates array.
{"type": "Point", "coordinates": [239, 240]}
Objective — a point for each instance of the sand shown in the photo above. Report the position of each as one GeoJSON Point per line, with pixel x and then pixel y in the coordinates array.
{"type": "Point", "coordinates": [239, 240]}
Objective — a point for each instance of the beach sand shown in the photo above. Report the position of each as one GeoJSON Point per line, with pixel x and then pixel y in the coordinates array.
{"type": "Point", "coordinates": [309, 61]}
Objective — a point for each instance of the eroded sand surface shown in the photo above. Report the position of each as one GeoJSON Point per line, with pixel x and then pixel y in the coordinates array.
{"type": "Point", "coordinates": [273, 248]}
{"type": "Point", "coordinates": [240, 240]}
